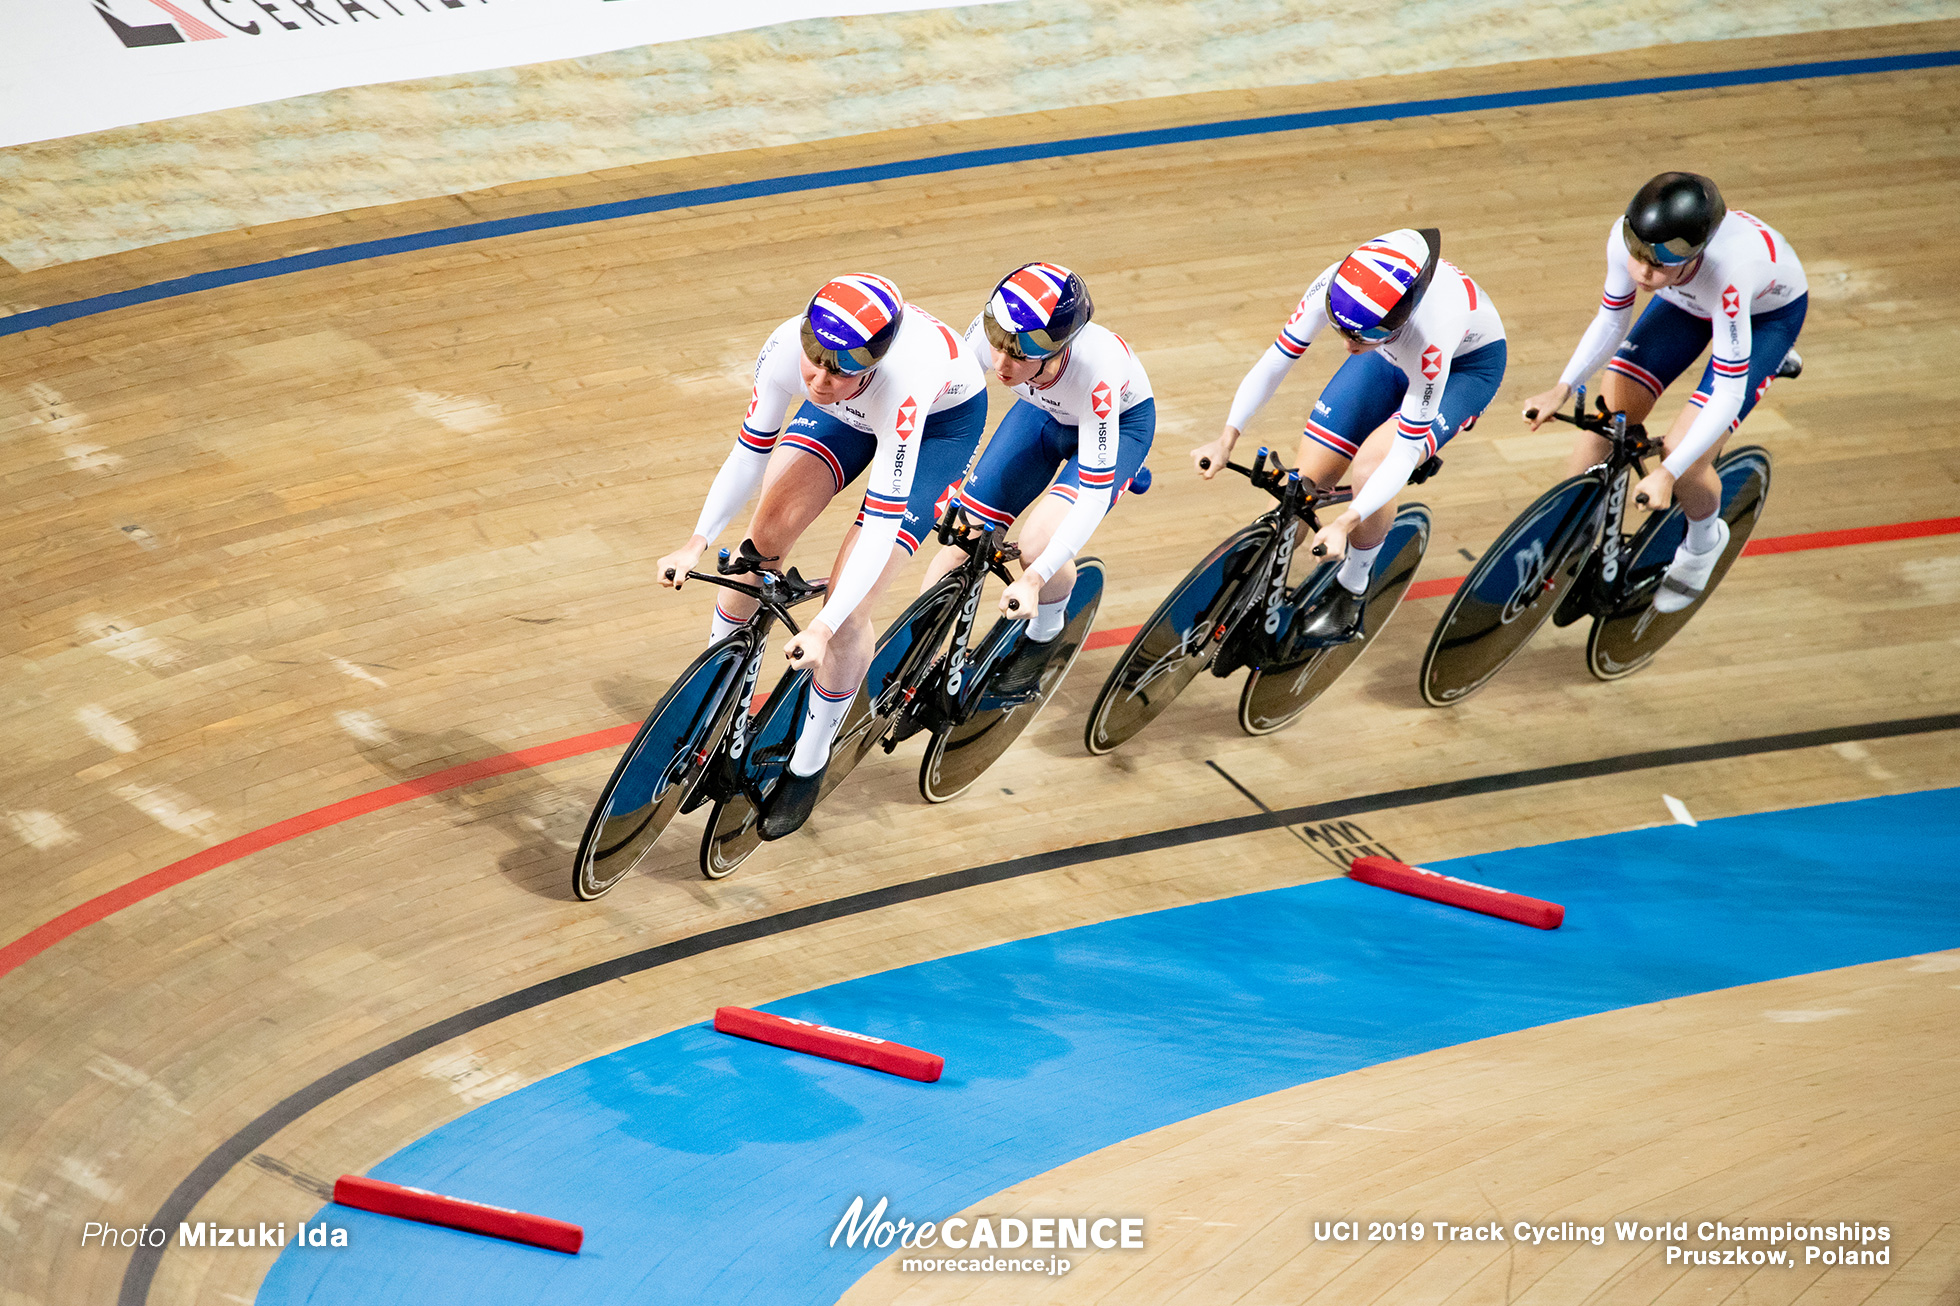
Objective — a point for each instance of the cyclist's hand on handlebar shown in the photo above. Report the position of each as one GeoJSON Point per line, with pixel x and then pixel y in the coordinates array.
{"type": "Point", "coordinates": [1538, 409]}
{"type": "Point", "coordinates": [1020, 599]}
{"type": "Point", "coordinates": [671, 571]}
{"type": "Point", "coordinates": [1655, 490]}
{"type": "Point", "coordinates": [1209, 459]}
{"type": "Point", "coordinates": [807, 647]}
{"type": "Point", "coordinates": [1330, 542]}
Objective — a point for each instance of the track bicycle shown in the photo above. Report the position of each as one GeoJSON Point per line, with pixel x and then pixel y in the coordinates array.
{"type": "Point", "coordinates": [701, 721]}
{"type": "Point", "coordinates": [927, 676]}
{"type": "Point", "coordinates": [1570, 556]}
{"type": "Point", "coordinates": [1235, 609]}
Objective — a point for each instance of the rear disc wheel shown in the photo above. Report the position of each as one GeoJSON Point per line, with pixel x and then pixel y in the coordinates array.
{"type": "Point", "coordinates": [959, 754]}
{"type": "Point", "coordinates": [1626, 639]}
{"type": "Point", "coordinates": [904, 650]}
{"type": "Point", "coordinates": [1275, 696]}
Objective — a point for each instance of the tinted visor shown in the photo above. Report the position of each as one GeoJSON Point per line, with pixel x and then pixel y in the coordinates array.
{"type": "Point", "coordinates": [1028, 345]}
{"type": "Point", "coordinates": [1667, 254]}
{"type": "Point", "coordinates": [844, 362]}
{"type": "Point", "coordinates": [1373, 335]}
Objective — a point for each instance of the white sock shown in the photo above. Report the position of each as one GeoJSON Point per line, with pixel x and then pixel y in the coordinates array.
{"type": "Point", "coordinates": [1703, 535]}
{"type": "Point", "coordinates": [1048, 620]}
{"type": "Point", "coordinates": [827, 708]}
{"type": "Point", "coordinates": [722, 626]}
{"type": "Point", "coordinates": [1357, 568]}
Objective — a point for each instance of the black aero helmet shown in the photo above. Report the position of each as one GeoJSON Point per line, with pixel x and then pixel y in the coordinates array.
{"type": "Point", "coordinates": [1672, 218]}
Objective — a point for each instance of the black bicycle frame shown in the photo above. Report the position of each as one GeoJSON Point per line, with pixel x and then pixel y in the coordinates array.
{"type": "Point", "coordinates": [1265, 581]}
{"type": "Point", "coordinates": [985, 553]}
{"type": "Point", "coordinates": [1629, 446]}
{"type": "Point", "coordinates": [777, 593]}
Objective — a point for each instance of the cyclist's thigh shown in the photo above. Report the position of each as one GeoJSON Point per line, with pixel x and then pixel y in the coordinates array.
{"type": "Point", "coordinates": [794, 492]}
{"type": "Point", "coordinates": [842, 448]}
{"type": "Point", "coordinates": [1016, 465]}
{"type": "Point", "coordinates": [1659, 348]}
{"type": "Point", "coordinates": [1472, 385]}
{"type": "Point", "coordinates": [1136, 430]}
{"type": "Point", "coordinates": [1363, 393]}
{"type": "Point", "coordinates": [1770, 338]}
{"type": "Point", "coordinates": [946, 447]}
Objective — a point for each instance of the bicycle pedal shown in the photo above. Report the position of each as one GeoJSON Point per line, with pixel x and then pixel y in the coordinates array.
{"type": "Point", "coordinates": [704, 793]}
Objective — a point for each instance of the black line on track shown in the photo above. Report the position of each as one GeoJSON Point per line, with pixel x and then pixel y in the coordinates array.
{"type": "Point", "coordinates": [1255, 799]}
{"type": "Point", "coordinates": [1250, 796]}
{"type": "Point", "coordinates": [240, 1146]}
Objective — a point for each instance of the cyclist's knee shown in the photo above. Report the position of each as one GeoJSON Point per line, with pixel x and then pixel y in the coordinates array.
{"type": "Point", "coordinates": [942, 563]}
{"type": "Point", "coordinates": [1038, 525]}
{"type": "Point", "coordinates": [1625, 395]}
{"type": "Point", "coordinates": [1320, 464]}
{"type": "Point", "coordinates": [1587, 450]}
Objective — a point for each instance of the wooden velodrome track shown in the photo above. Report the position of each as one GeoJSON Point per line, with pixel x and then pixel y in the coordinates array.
{"type": "Point", "coordinates": [280, 545]}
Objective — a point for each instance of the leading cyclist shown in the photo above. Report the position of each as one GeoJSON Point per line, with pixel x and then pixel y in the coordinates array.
{"type": "Point", "coordinates": [886, 385]}
{"type": "Point", "coordinates": [1715, 273]}
{"type": "Point", "coordinates": [1425, 346]}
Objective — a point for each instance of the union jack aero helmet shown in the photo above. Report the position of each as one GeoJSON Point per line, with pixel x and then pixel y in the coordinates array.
{"type": "Point", "coordinates": [1377, 287]}
{"type": "Point", "coordinates": [1036, 310]}
{"type": "Point", "coordinates": [851, 323]}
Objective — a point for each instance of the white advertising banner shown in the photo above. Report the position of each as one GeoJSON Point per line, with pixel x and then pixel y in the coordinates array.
{"type": "Point", "coordinates": [73, 66]}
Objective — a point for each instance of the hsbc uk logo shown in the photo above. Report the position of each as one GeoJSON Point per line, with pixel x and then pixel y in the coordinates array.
{"type": "Point", "coordinates": [1731, 301]}
{"type": "Point", "coordinates": [1099, 399]}
{"type": "Point", "coordinates": [1432, 362]}
{"type": "Point", "coordinates": [135, 22]}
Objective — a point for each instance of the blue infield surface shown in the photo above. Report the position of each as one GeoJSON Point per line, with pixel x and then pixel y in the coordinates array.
{"type": "Point", "coordinates": [708, 1169]}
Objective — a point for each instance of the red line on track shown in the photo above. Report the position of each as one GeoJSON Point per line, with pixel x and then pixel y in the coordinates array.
{"type": "Point", "coordinates": [42, 937]}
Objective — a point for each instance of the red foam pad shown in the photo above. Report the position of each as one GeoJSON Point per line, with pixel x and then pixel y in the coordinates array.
{"type": "Point", "coordinates": [1387, 873]}
{"type": "Point", "coordinates": [826, 1041]}
{"type": "Point", "coordinates": [385, 1198]}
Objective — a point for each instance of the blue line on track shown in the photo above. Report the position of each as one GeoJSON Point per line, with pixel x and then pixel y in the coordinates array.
{"type": "Point", "coordinates": [707, 1169]}
{"type": "Point", "coordinates": [366, 249]}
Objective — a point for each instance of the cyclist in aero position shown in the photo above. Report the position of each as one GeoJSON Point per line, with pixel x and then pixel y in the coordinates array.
{"type": "Point", "coordinates": [1084, 408]}
{"type": "Point", "coordinates": [1425, 346]}
{"type": "Point", "coordinates": [1714, 272]}
{"type": "Point", "coordinates": [885, 385]}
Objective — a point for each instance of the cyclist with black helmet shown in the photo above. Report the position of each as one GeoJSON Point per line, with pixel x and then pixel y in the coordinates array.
{"type": "Point", "coordinates": [1085, 411]}
{"type": "Point", "coordinates": [1716, 274]}
{"type": "Point", "coordinates": [1425, 347]}
{"type": "Point", "coordinates": [884, 385]}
